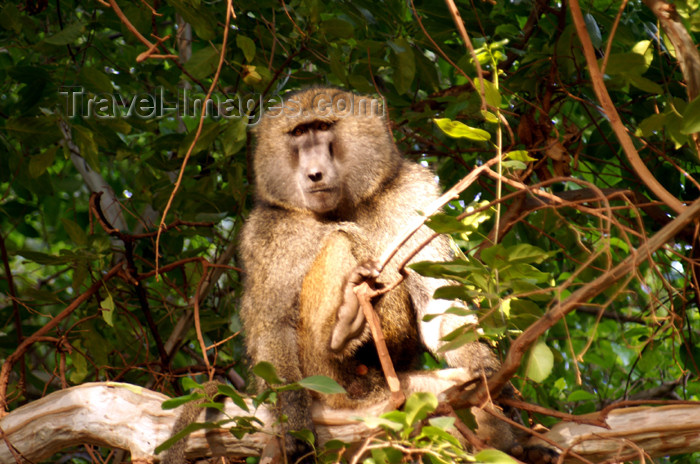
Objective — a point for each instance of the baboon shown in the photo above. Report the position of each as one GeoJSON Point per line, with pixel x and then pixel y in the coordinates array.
{"type": "Point", "coordinates": [332, 192]}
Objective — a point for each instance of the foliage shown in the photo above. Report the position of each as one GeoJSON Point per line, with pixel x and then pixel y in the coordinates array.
{"type": "Point", "coordinates": [84, 110]}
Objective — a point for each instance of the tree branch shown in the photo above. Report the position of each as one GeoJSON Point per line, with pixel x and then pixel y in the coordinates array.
{"type": "Point", "coordinates": [612, 115]}
{"type": "Point", "coordinates": [124, 416]}
{"type": "Point", "coordinates": [586, 293]}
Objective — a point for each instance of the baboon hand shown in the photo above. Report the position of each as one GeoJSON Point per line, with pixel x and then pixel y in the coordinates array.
{"type": "Point", "coordinates": [351, 320]}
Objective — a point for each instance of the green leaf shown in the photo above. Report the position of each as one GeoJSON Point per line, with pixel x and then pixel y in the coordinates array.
{"type": "Point", "coordinates": [387, 455]}
{"type": "Point", "coordinates": [642, 83]}
{"type": "Point", "coordinates": [646, 49]}
{"type": "Point", "coordinates": [38, 164]}
{"type": "Point", "coordinates": [418, 406]}
{"type": "Point", "coordinates": [404, 64]}
{"type": "Point", "coordinates": [183, 433]}
{"type": "Point", "coordinates": [520, 155]}
{"type": "Point", "coordinates": [581, 395]}
{"type": "Point", "coordinates": [492, 456]}
{"type": "Point", "coordinates": [202, 20]}
{"type": "Point", "coordinates": [489, 116]}
{"type": "Point", "coordinates": [247, 45]}
{"type": "Point", "coordinates": [67, 36]}
{"type": "Point", "coordinates": [321, 384]}
{"type": "Point", "coordinates": [233, 135]}
{"type": "Point", "coordinates": [651, 124]}
{"type": "Point", "coordinates": [79, 371]}
{"type": "Point", "coordinates": [95, 80]}
{"type": "Point", "coordinates": [267, 372]}
{"type": "Point", "coordinates": [107, 306]}
{"type": "Point", "coordinates": [80, 273]}
{"type": "Point", "coordinates": [525, 253]}
{"type": "Point", "coordinates": [173, 403]}
{"type": "Point", "coordinates": [457, 129]}
{"type": "Point", "coordinates": [337, 66]}
{"type": "Point", "coordinates": [43, 258]}
{"type": "Point", "coordinates": [39, 131]}
{"type": "Point", "coordinates": [442, 422]}
{"type": "Point", "coordinates": [625, 63]}
{"type": "Point", "coordinates": [304, 435]}
{"type": "Point", "coordinates": [209, 133]}
{"type": "Point", "coordinates": [491, 92]}
{"type": "Point", "coordinates": [87, 145]}
{"type": "Point", "coordinates": [494, 256]}
{"type": "Point", "coordinates": [459, 341]}
{"type": "Point", "coordinates": [11, 18]}
{"type": "Point", "coordinates": [337, 28]}
{"type": "Point", "coordinates": [457, 268]}
{"type": "Point", "coordinates": [203, 62]}
{"type": "Point", "coordinates": [690, 356]}
{"type": "Point", "coordinates": [75, 232]}
{"type": "Point", "coordinates": [237, 399]}
{"type": "Point", "coordinates": [593, 30]}
{"type": "Point", "coordinates": [515, 165]}
{"type": "Point", "coordinates": [393, 420]}
{"type": "Point", "coordinates": [455, 292]}
{"type": "Point", "coordinates": [446, 224]}
{"type": "Point", "coordinates": [691, 117]}
{"type": "Point", "coordinates": [189, 384]}
{"type": "Point", "coordinates": [540, 362]}
{"type": "Point", "coordinates": [437, 434]}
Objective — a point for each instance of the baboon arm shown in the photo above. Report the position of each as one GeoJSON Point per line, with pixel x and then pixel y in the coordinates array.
{"type": "Point", "coordinates": [331, 322]}
{"type": "Point", "coordinates": [421, 289]}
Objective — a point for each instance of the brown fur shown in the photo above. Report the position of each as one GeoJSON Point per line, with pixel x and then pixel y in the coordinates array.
{"type": "Point", "coordinates": [299, 249]}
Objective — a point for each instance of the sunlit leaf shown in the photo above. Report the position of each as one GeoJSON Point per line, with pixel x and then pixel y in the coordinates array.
{"type": "Point", "coordinates": [107, 307]}
{"type": "Point", "coordinates": [520, 155]}
{"type": "Point", "coordinates": [492, 456]}
{"type": "Point", "coordinates": [540, 362]}
{"type": "Point", "coordinates": [457, 129]}
{"type": "Point", "coordinates": [321, 384]}
{"type": "Point", "coordinates": [418, 406]}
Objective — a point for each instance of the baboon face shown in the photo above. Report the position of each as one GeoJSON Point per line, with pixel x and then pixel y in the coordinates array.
{"type": "Point", "coordinates": [314, 165]}
{"type": "Point", "coordinates": [323, 151]}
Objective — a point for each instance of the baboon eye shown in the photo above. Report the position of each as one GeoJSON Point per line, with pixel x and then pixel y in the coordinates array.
{"type": "Point", "coordinates": [297, 131]}
{"type": "Point", "coordinates": [323, 126]}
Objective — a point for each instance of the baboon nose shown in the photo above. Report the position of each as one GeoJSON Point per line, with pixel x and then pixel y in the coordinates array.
{"type": "Point", "coordinates": [316, 176]}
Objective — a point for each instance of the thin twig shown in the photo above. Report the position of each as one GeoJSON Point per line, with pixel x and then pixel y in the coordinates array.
{"type": "Point", "coordinates": [468, 43]}
{"type": "Point", "coordinates": [229, 9]}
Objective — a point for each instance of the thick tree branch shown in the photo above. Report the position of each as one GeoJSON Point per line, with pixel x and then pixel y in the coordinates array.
{"type": "Point", "coordinates": [123, 416]}
{"type": "Point", "coordinates": [109, 204]}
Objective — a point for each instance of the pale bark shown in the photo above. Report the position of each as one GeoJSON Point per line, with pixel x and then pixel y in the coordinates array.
{"type": "Point", "coordinates": [634, 433]}
{"type": "Point", "coordinates": [127, 417]}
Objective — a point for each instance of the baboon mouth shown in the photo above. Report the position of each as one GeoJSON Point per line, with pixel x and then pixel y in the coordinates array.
{"type": "Point", "coordinates": [323, 190]}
